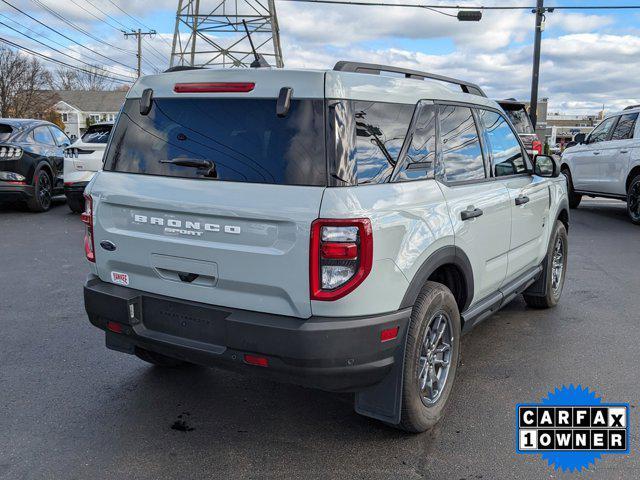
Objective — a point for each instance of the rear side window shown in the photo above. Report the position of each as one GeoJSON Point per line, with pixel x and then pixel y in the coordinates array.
{"type": "Point", "coordinates": [625, 127]}
{"type": "Point", "coordinates": [97, 134]}
{"type": "Point", "coordinates": [419, 160]}
{"type": "Point", "coordinates": [461, 151]}
{"type": "Point", "coordinates": [601, 132]}
{"type": "Point", "coordinates": [380, 132]}
{"type": "Point", "coordinates": [507, 157]}
{"type": "Point", "coordinates": [60, 138]}
{"type": "Point", "coordinates": [240, 140]}
{"type": "Point", "coordinates": [43, 135]}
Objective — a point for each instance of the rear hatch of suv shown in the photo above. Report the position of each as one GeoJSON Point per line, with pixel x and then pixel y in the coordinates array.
{"type": "Point", "coordinates": [517, 113]}
{"type": "Point", "coordinates": [209, 195]}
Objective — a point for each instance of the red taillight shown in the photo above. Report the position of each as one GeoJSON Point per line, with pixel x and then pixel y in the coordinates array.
{"type": "Point", "coordinates": [214, 87]}
{"type": "Point", "coordinates": [114, 327]}
{"type": "Point", "coordinates": [87, 219]}
{"type": "Point", "coordinates": [536, 146]}
{"type": "Point", "coordinates": [341, 256]}
{"type": "Point", "coordinates": [16, 183]}
{"type": "Point", "coordinates": [256, 360]}
{"type": "Point", "coordinates": [389, 334]}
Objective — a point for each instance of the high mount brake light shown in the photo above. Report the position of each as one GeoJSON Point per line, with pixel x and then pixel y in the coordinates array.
{"type": "Point", "coordinates": [87, 219]}
{"type": "Point", "coordinates": [214, 87]}
{"type": "Point", "coordinates": [340, 257]}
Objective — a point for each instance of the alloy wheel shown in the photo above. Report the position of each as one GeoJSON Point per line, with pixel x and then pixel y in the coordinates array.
{"type": "Point", "coordinates": [435, 358]}
{"type": "Point", "coordinates": [44, 190]}
{"type": "Point", "coordinates": [557, 266]}
{"type": "Point", "coordinates": [633, 201]}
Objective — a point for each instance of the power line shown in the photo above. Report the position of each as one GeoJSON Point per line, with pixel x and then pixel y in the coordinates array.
{"type": "Point", "coordinates": [466, 7]}
{"type": "Point", "coordinates": [62, 53]}
{"type": "Point", "coordinates": [60, 62]}
{"type": "Point", "coordinates": [65, 36]}
{"type": "Point", "coordinates": [103, 20]}
{"type": "Point", "coordinates": [79, 29]}
{"type": "Point", "coordinates": [136, 20]}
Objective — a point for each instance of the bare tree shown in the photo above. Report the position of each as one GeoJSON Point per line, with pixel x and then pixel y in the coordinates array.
{"type": "Point", "coordinates": [91, 79]}
{"type": "Point", "coordinates": [22, 81]}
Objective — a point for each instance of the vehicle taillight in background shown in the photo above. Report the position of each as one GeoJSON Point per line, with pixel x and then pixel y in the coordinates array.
{"type": "Point", "coordinates": [10, 153]}
{"type": "Point", "coordinates": [536, 146]}
{"type": "Point", "coordinates": [87, 219]}
{"type": "Point", "coordinates": [341, 256]}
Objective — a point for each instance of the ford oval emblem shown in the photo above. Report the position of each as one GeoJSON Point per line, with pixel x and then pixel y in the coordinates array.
{"type": "Point", "coordinates": [107, 245]}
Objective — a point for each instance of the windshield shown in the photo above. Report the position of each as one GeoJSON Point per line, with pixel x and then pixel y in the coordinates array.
{"type": "Point", "coordinates": [97, 134]}
{"type": "Point", "coordinates": [5, 132]}
{"type": "Point", "coordinates": [520, 119]}
{"type": "Point", "coordinates": [240, 140]}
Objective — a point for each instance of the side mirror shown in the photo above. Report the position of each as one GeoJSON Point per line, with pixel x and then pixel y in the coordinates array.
{"type": "Point", "coordinates": [580, 138]}
{"type": "Point", "coordinates": [545, 166]}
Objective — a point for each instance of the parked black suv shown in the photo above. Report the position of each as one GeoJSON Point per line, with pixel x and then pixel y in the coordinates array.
{"type": "Point", "coordinates": [31, 162]}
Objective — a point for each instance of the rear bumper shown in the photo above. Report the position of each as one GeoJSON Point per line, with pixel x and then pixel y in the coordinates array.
{"type": "Point", "coordinates": [75, 190]}
{"type": "Point", "coordinates": [12, 193]}
{"type": "Point", "coordinates": [337, 354]}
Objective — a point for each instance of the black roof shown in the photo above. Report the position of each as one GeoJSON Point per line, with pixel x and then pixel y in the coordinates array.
{"type": "Point", "coordinates": [23, 123]}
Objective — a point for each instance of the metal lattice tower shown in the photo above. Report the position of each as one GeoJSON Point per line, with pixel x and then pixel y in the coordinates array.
{"type": "Point", "coordinates": [218, 38]}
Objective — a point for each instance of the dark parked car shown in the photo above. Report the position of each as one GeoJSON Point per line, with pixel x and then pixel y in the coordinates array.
{"type": "Point", "coordinates": [31, 162]}
{"type": "Point", "coordinates": [519, 116]}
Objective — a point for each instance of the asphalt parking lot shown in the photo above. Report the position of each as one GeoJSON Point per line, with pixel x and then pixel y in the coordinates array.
{"type": "Point", "coordinates": [70, 409]}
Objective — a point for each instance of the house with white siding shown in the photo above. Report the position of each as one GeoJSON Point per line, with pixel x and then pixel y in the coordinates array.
{"type": "Point", "coordinates": [79, 109]}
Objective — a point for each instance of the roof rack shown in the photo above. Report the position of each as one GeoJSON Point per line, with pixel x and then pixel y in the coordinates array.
{"type": "Point", "coordinates": [631, 107]}
{"type": "Point", "coordinates": [374, 69]}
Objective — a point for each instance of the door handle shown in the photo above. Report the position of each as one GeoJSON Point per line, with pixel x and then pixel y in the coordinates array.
{"type": "Point", "coordinates": [624, 151]}
{"type": "Point", "coordinates": [522, 199]}
{"type": "Point", "coordinates": [469, 214]}
{"type": "Point", "coordinates": [596, 153]}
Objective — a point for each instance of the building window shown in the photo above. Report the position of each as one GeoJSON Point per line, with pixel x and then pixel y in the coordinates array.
{"type": "Point", "coordinates": [65, 117]}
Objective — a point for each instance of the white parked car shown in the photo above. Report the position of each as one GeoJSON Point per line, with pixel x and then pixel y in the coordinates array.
{"type": "Point", "coordinates": [82, 160]}
{"type": "Point", "coordinates": [607, 162]}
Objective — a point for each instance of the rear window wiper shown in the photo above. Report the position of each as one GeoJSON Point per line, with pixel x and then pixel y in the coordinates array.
{"type": "Point", "coordinates": [198, 163]}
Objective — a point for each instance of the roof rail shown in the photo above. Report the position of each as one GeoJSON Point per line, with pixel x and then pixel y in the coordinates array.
{"type": "Point", "coordinates": [374, 69]}
{"type": "Point", "coordinates": [631, 107]}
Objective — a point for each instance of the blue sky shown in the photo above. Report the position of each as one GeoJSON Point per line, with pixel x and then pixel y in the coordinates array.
{"type": "Point", "coordinates": [589, 57]}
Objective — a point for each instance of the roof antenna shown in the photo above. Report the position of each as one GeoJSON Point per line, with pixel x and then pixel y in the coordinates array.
{"type": "Point", "coordinates": [259, 60]}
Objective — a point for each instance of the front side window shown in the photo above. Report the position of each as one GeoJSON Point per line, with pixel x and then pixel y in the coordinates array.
{"type": "Point", "coordinates": [461, 151]}
{"type": "Point", "coordinates": [419, 160]}
{"type": "Point", "coordinates": [380, 132]}
{"type": "Point", "coordinates": [229, 139]}
{"type": "Point", "coordinates": [625, 127]}
{"type": "Point", "coordinates": [507, 157]}
{"type": "Point", "coordinates": [601, 132]}
{"type": "Point", "coordinates": [43, 135]}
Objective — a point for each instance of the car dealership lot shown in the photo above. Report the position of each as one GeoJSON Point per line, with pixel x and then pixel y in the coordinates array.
{"type": "Point", "coordinates": [69, 408]}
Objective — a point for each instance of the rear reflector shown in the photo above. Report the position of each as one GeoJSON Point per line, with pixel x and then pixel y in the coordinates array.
{"type": "Point", "coordinates": [215, 87]}
{"type": "Point", "coordinates": [339, 250]}
{"type": "Point", "coordinates": [114, 327]}
{"type": "Point", "coordinates": [389, 334]}
{"type": "Point", "coordinates": [256, 360]}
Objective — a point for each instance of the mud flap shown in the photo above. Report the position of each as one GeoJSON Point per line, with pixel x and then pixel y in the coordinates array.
{"type": "Point", "coordinates": [539, 287]}
{"type": "Point", "coordinates": [383, 401]}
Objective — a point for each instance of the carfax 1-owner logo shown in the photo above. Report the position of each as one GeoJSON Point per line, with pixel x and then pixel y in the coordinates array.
{"type": "Point", "coordinates": [572, 428]}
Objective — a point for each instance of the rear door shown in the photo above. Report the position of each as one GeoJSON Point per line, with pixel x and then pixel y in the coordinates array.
{"type": "Point", "coordinates": [614, 164]}
{"type": "Point", "coordinates": [479, 208]}
{"type": "Point", "coordinates": [528, 194]}
{"type": "Point", "coordinates": [212, 199]}
{"type": "Point", "coordinates": [586, 173]}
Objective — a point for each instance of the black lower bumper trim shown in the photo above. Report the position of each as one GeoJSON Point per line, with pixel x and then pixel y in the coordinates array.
{"type": "Point", "coordinates": [338, 354]}
{"type": "Point", "coordinates": [15, 192]}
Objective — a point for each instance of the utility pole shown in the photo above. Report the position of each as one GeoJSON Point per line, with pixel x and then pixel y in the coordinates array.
{"type": "Point", "coordinates": [139, 34]}
{"type": "Point", "coordinates": [535, 78]}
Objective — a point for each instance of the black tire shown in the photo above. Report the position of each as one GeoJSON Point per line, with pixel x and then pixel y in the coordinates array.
{"type": "Point", "coordinates": [43, 191]}
{"type": "Point", "coordinates": [418, 412]}
{"type": "Point", "coordinates": [76, 205]}
{"type": "Point", "coordinates": [158, 359]}
{"type": "Point", "coordinates": [552, 288]}
{"type": "Point", "coordinates": [574, 198]}
{"type": "Point", "coordinates": [633, 200]}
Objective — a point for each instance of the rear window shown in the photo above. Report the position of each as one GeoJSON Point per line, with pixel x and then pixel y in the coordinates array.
{"type": "Point", "coordinates": [520, 119]}
{"type": "Point", "coordinates": [5, 132]}
{"type": "Point", "coordinates": [241, 140]}
{"type": "Point", "coordinates": [97, 134]}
